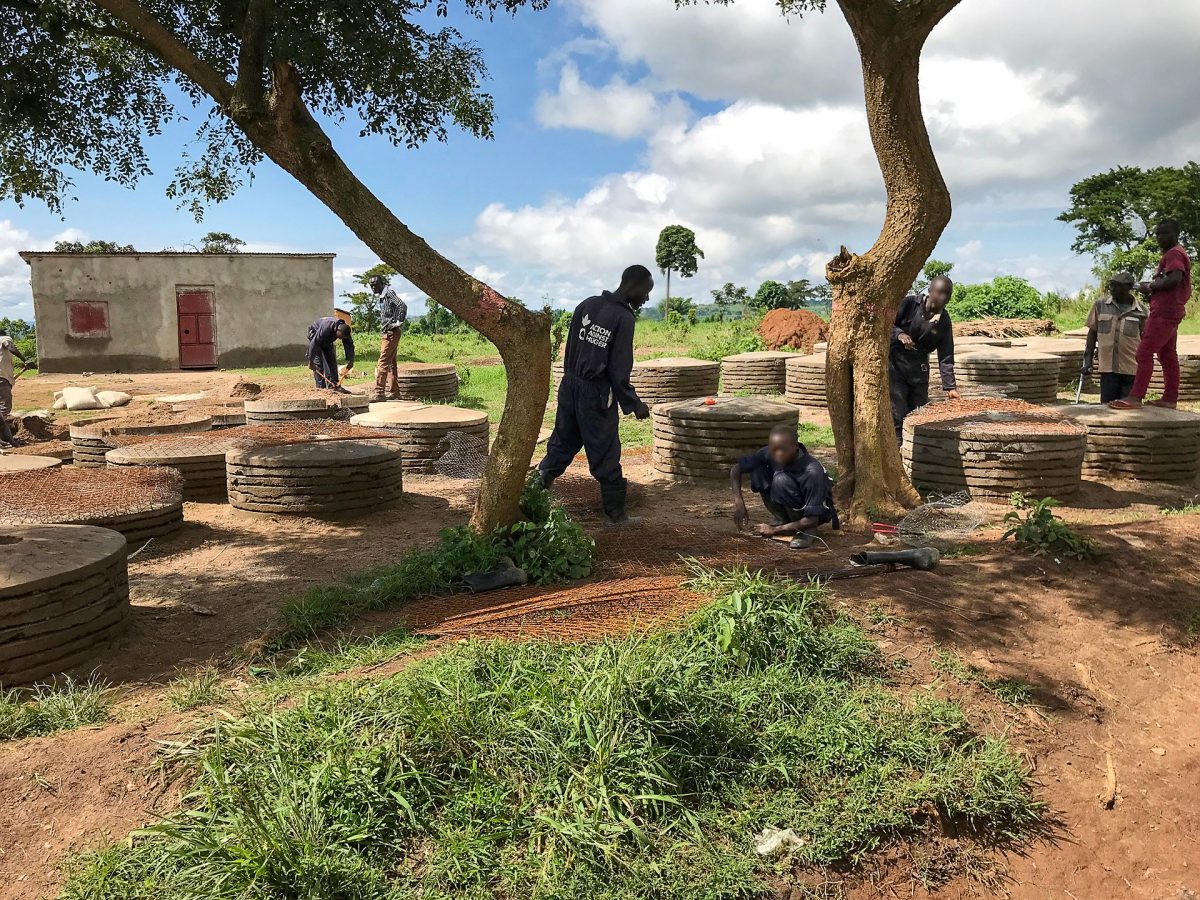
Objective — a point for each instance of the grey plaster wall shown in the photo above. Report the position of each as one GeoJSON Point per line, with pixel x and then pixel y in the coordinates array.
{"type": "Point", "coordinates": [264, 303]}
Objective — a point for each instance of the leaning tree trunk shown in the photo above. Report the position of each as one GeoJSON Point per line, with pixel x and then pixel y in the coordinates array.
{"type": "Point", "coordinates": [278, 123]}
{"type": "Point", "coordinates": [522, 336]}
{"type": "Point", "coordinates": [868, 289]}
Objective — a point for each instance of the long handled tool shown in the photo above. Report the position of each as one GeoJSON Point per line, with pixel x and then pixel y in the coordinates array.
{"type": "Point", "coordinates": [1079, 389]}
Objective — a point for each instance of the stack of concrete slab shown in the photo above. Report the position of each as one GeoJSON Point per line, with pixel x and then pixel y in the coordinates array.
{"type": "Point", "coordinates": [1150, 444]}
{"type": "Point", "coordinates": [758, 372]}
{"type": "Point", "coordinates": [557, 367]}
{"type": "Point", "coordinates": [993, 447]}
{"type": "Point", "coordinates": [1016, 372]}
{"type": "Point", "coordinates": [695, 440]}
{"type": "Point", "coordinates": [1189, 370]}
{"type": "Point", "coordinates": [427, 381]}
{"type": "Point", "coordinates": [264, 411]}
{"type": "Point", "coordinates": [314, 479]}
{"type": "Point", "coordinates": [675, 378]}
{"type": "Point", "coordinates": [1069, 354]}
{"type": "Point", "coordinates": [419, 429]}
{"type": "Point", "coordinates": [200, 461]}
{"type": "Point", "coordinates": [93, 438]}
{"type": "Point", "coordinates": [973, 341]}
{"type": "Point", "coordinates": [23, 462]}
{"type": "Point", "coordinates": [64, 590]}
{"type": "Point", "coordinates": [805, 384]}
{"type": "Point", "coordinates": [224, 413]}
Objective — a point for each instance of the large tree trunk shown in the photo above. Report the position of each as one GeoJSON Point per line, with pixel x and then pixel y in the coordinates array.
{"type": "Point", "coordinates": [868, 289]}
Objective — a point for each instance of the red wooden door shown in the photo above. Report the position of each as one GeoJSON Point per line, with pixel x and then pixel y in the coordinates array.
{"type": "Point", "coordinates": [197, 338]}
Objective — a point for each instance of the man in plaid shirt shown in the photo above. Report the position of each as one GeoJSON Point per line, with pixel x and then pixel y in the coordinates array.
{"type": "Point", "coordinates": [392, 315]}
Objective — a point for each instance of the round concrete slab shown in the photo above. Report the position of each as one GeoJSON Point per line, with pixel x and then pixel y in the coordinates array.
{"type": "Point", "coordinates": [10, 462]}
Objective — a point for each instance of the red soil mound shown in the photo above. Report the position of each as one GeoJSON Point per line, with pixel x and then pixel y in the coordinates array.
{"type": "Point", "coordinates": [792, 329]}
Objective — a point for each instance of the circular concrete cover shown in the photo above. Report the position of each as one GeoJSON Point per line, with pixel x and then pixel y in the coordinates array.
{"type": "Point", "coordinates": [41, 557]}
{"type": "Point", "coordinates": [320, 454]}
{"type": "Point", "coordinates": [421, 416]}
{"type": "Point", "coordinates": [23, 463]}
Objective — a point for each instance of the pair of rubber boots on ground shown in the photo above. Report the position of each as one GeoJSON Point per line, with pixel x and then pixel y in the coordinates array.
{"type": "Point", "coordinates": [613, 498]}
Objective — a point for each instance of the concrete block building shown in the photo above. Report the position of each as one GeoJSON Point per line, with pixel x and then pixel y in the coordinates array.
{"type": "Point", "coordinates": [147, 312]}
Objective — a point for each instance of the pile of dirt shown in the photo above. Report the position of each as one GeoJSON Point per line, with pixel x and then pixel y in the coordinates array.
{"type": "Point", "coordinates": [31, 429]}
{"type": "Point", "coordinates": [792, 329]}
{"type": "Point", "coordinates": [243, 390]}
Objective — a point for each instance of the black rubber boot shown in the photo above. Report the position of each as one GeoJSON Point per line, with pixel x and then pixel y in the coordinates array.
{"type": "Point", "coordinates": [802, 541]}
{"type": "Point", "coordinates": [506, 574]}
{"type": "Point", "coordinates": [612, 496]}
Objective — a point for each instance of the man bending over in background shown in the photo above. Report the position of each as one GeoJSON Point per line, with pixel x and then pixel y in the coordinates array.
{"type": "Point", "coordinates": [8, 377]}
{"type": "Point", "coordinates": [922, 325]}
{"type": "Point", "coordinates": [1169, 292]}
{"type": "Point", "coordinates": [322, 358]}
{"type": "Point", "coordinates": [794, 487]}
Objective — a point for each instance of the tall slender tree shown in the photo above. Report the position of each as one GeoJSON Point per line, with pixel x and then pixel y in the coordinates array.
{"type": "Point", "coordinates": [677, 252]}
{"type": "Point", "coordinates": [868, 288]}
{"type": "Point", "coordinates": [85, 82]}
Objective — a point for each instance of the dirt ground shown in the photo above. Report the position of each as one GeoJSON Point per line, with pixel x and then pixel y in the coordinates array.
{"type": "Point", "coordinates": [1106, 645]}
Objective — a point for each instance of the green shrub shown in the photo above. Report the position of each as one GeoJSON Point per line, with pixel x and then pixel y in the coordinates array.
{"type": "Point", "coordinates": [734, 337]}
{"type": "Point", "coordinates": [1038, 529]}
{"type": "Point", "coordinates": [1005, 297]}
{"type": "Point", "coordinates": [49, 708]}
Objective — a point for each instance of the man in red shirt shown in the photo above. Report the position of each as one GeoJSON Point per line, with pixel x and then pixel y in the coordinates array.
{"type": "Point", "coordinates": [1168, 292]}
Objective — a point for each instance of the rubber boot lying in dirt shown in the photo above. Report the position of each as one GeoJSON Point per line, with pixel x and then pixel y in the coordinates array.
{"type": "Point", "coordinates": [504, 575]}
{"type": "Point", "coordinates": [922, 558]}
{"type": "Point", "coordinates": [613, 497]}
{"type": "Point", "coordinates": [802, 541]}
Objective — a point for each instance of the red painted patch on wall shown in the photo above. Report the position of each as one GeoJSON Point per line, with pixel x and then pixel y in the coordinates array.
{"type": "Point", "coordinates": [88, 319]}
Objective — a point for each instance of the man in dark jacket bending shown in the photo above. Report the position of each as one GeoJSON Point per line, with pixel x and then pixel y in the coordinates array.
{"type": "Point", "coordinates": [596, 368]}
{"type": "Point", "coordinates": [922, 325]}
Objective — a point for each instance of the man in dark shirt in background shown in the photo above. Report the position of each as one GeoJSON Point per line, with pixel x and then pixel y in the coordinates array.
{"type": "Point", "coordinates": [1168, 292]}
{"type": "Point", "coordinates": [922, 325]}
{"type": "Point", "coordinates": [596, 368]}
{"type": "Point", "coordinates": [794, 487]}
{"type": "Point", "coordinates": [322, 359]}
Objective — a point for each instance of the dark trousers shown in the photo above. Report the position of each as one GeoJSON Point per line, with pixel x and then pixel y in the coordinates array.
{"type": "Point", "coordinates": [1115, 386]}
{"type": "Point", "coordinates": [324, 364]}
{"type": "Point", "coordinates": [908, 374]}
{"type": "Point", "coordinates": [784, 499]}
{"type": "Point", "coordinates": [6, 405]}
{"type": "Point", "coordinates": [587, 417]}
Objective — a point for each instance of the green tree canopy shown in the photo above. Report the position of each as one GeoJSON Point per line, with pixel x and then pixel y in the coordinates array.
{"type": "Point", "coordinates": [677, 251]}
{"type": "Point", "coordinates": [771, 295]}
{"type": "Point", "coordinates": [729, 296]}
{"type": "Point", "coordinates": [221, 242]}
{"type": "Point", "coordinates": [92, 246]}
{"type": "Point", "coordinates": [1114, 214]}
{"type": "Point", "coordinates": [935, 268]}
{"type": "Point", "coordinates": [803, 292]}
{"type": "Point", "coordinates": [1004, 297]}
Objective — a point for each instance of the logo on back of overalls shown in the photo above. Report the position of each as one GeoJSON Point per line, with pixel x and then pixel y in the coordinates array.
{"type": "Point", "coordinates": [594, 334]}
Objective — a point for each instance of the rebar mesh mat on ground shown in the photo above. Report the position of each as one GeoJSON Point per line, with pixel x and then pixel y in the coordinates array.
{"type": "Point", "coordinates": [994, 416]}
{"type": "Point", "coordinates": [44, 448]}
{"type": "Point", "coordinates": [942, 522]}
{"type": "Point", "coordinates": [461, 455]}
{"type": "Point", "coordinates": [581, 612]}
{"type": "Point", "coordinates": [47, 496]}
{"type": "Point", "coordinates": [275, 434]}
{"type": "Point", "coordinates": [646, 549]}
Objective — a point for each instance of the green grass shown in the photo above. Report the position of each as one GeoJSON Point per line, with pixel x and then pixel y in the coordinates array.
{"type": "Point", "coordinates": [203, 687]}
{"type": "Point", "coordinates": [285, 674]}
{"type": "Point", "coordinates": [1013, 691]}
{"type": "Point", "coordinates": [634, 768]}
{"type": "Point", "coordinates": [1188, 508]}
{"type": "Point", "coordinates": [47, 709]}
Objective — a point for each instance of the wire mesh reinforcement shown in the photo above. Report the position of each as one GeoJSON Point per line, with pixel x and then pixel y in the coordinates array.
{"type": "Point", "coordinates": [942, 523]}
{"type": "Point", "coordinates": [461, 455]}
{"type": "Point", "coordinates": [64, 495]}
{"type": "Point", "coordinates": [994, 416]}
{"type": "Point", "coordinates": [275, 434]}
{"type": "Point", "coordinates": [582, 612]}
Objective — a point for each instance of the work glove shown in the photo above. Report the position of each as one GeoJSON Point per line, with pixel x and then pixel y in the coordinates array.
{"type": "Point", "coordinates": [1087, 369]}
{"type": "Point", "coordinates": [642, 412]}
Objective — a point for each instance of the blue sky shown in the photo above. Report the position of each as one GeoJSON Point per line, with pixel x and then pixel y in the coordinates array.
{"type": "Point", "coordinates": [617, 117]}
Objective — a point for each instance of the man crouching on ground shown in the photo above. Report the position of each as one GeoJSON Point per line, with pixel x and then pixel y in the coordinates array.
{"type": "Point", "coordinates": [794, 487]}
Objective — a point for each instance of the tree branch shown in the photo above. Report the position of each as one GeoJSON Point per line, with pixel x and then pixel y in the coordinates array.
{"type": "Point", "coordinates": [160, 41]}
{"type": "Point", "coordinates": [32, 9]}
{"type": "Point", "coordinates": [252, 56]}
